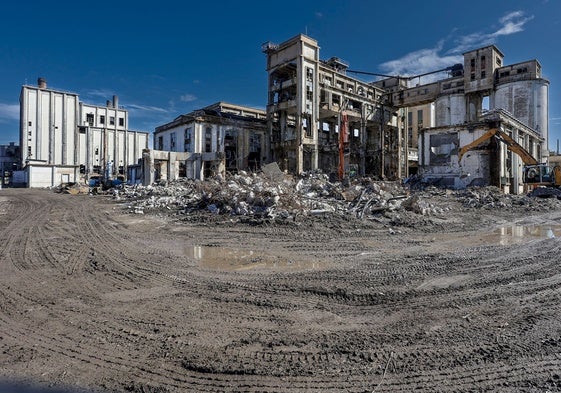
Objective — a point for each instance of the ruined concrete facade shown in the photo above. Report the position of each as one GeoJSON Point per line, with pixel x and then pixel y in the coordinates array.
{"type": "Point", "coordinates": [218, 138]}
{"type": "Point", "coordinates": [517, 96]}
{"type": "Point", "coordinates": [392, 126]}
{"type": "Point", "coordinates": [307, 101]}
{"type": "Point", "coordinates": [491, 163]}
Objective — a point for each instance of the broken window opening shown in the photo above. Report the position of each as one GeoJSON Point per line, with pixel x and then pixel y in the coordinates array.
{"type": "Point", "coordinates": [420, 118]}
{"type": "Point", "coordinates": [485, 103]}
{"type": "Point", "coordinates": [309, 93]}
{"type": "Point", "coordinates": [442, 147]}
{"type": "Point", "coordinates": [307, 126]}
{"type": "Point", "coordinates": [208, 140]}
{"type": "Point", "coordinates": [336, 99]}
{"type": "Point", "coordinates": [309, 74]}
{"type": "Point", "coordinates": [187, 140]}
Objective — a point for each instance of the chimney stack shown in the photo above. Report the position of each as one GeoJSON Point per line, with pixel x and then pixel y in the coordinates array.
{"type": "Point", "coordinates": [42, 82]}
{"type": "Point", "coordinates": [116, 102]}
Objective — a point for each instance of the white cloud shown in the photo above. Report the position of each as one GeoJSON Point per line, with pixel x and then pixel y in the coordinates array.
{"type": "Point", "coordinates": [104, 93]}
{"type": "Point", "coordinates": [9, 112]}
{"type": "Point", "coordinates": [419, 62]}
{"type": "Point", "coordinates": [319, 14]}
{"type": "Point", "coordinates": [431, 59]}
{"type": "Point", "coordinates": [144, 108]}
{"type": "Point", "coordinates": [188, 98]}
{"type": "Point", "coordinates": [511, 23]}
{"type": "Point", "coordinates": [511, 16]}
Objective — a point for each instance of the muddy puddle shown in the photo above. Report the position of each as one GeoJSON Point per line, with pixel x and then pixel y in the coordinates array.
{"type": "Point", "coordinates": [511, 234]}
{"type": "Point", "coordinates": [236, 259]}
{"type": "Point", "coordinates": [502, 236]}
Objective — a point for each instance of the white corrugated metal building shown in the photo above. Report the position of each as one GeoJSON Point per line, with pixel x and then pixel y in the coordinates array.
{"type": "Point", "coordinates": [65, 140]}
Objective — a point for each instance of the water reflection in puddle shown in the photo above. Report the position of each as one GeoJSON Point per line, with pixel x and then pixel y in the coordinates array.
{"type": "Point", "coordinates": [510, 234]}
{"type": "Point", "coordinates": [230, 259]}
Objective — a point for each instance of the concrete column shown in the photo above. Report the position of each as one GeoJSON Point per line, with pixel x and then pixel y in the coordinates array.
{"type": "Point", "coordinates": [147, 167]}
{"type": "Point", "coordinates": [516, 161]}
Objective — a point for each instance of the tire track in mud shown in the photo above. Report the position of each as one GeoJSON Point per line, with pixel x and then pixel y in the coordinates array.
{"type": "Point", "coordinates": [362, 326]}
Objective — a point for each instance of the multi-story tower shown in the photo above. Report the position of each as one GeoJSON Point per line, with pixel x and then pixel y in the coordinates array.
{"type": "Point", "coordinates": [310, 101]}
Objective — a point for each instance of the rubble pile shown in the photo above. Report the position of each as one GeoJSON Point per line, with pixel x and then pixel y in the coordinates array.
{"type": "Point", "coordinates": [259, 196]}
{"type": "Point", "coordinates": [484, 197]}
{"type": "Point", "coordinates": [256, 195]}
{"type": "Point", "coordinates": [493, 198]}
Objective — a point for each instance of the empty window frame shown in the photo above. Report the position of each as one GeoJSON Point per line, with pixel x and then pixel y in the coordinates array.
{"type": "Point", "coordinates": [309, 93]}
{"type": "Point", "coordinates": [208, 139]}
{"type": "Point", "coordinates": [442, 147]}
{"type": "Point", "coordinates": [307, 127]}
{"type": "Point", "coordinates": [187, 140]}
{"type": "Point", "coordinates": [309, 74]}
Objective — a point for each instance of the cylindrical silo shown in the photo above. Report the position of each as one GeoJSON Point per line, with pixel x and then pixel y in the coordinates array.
{"type": "Point", "coordinates": [450, 110]}
{"type": "Point", "coordinates": [527, 100]}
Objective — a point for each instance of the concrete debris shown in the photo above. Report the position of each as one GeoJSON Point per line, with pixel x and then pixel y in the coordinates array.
{"type": "Point", "coordinates": [73, 188]}
{"type": "Point", "coordinates": [546, 192]}
{"type": "Point", "coordinates": [286, 197]}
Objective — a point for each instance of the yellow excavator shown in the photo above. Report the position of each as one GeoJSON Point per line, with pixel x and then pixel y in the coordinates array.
{"type": "Point", "coordinates": [534, 173]}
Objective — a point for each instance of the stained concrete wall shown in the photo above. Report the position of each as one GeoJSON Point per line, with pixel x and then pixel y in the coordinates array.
{"type": "Point", "coordinates": [450, 109]}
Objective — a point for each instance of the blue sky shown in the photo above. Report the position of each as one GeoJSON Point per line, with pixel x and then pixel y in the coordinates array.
{"type": "Point", "coordinates": [169, 57]}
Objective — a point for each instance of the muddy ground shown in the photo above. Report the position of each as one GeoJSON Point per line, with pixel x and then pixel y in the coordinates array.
{"type": "Point", "coordinates": [95, 299]}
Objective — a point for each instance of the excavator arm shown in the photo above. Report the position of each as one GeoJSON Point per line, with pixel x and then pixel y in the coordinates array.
{"type": "Point", "coordinates": [511, 144]}
{"type": "Point", "coordinates": [488, 135]}
{"type": "Point", "coordinates": [515, 147]}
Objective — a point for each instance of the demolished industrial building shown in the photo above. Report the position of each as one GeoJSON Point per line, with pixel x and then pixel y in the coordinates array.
{"type": "Point", "coordinates": [318, 116]}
